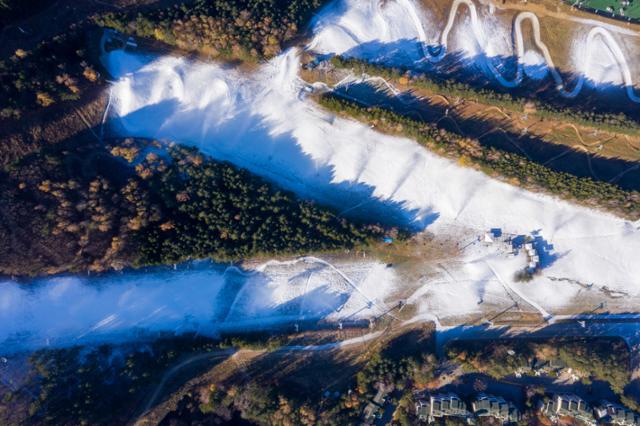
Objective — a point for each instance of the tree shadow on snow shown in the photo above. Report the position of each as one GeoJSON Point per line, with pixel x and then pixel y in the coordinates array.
{"type": "Point", "coordinates": [248, 141]}
{"type": "Point", "coordinates": [476, 70]}
{"type": "Point", "coordinates": [491, 132]}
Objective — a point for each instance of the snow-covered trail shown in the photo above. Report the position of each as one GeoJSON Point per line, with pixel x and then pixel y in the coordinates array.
{"type": "Point", "coordinates": [264, 123]}
{"type": "Point", "coordinates": [327, 41]}
{"type": "Point", "coordinates": [202, 298]}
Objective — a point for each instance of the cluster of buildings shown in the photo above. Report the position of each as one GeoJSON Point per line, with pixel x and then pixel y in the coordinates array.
{"type": "Point", "coordinates": [513, 244]}
{"type": "Point", "coordinates": [441, 406]}
{"type": "Point", "coordinates": [560, 406]}
{"type": "Point", "coordinates": [567, 405]}
{"type": "Point", "coordinates": [533, 259]}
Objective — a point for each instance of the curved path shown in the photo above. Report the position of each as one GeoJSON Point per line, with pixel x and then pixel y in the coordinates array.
{"type": "Point", "coordinates": [225, 353]}
{"type": "Point", "coordinates": [371, 303]}
{"type": "Point", "coordinates": [478, 33]}
{"type": "Point", "coordinates": [171, 372]}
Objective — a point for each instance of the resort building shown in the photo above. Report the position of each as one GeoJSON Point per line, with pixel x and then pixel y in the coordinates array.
{"type": "Point", "coordinates": [614, 414]}
{"type": "Point", "coordinates": [496, 407]}
{"type": "Point", "coordinates": [441, 405]}
{"type": "Point", "coordinates": [568, 405]}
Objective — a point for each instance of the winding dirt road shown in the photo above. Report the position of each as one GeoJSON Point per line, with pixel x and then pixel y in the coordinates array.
{"type": "Point", "coordinates": [476, 28]}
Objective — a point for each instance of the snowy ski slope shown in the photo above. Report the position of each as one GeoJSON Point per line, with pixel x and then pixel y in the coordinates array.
{"type": "Point", "coordinates": [264, 122]}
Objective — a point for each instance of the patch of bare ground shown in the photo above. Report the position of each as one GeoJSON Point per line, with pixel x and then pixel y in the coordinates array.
{"type": "Point", "coordinates": [54, 125]}
{"type": "Point", "coordinates": [421, 248]}
{"type": "Point", "coordinates": [424, 246]}
{"type": "Point", "coordinates": [518, 127]}
{"type": "Point", "coordinates": [307, 374]}
{"type": "Point", "coordinates": [561, 26]}
{"type": "Point", "coordinates": [414, 260]}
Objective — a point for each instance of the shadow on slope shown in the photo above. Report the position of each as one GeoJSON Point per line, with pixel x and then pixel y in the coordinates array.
{"type": "Point", "coordinates": [249, 141]}
{"type": "Point", "coordinates": [197, 297]}
{"type": "Point", "coordinates": [537, 82]}
{"type": "Point", "coordinates": [492, 133]}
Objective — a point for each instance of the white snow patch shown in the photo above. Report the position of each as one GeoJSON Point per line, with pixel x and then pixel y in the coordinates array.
{"type": "Point", "coordinates": [116, 307]}
{"type": "Point", "coordinates": [603, 67]}
{"type": "Point", "coordinates": [479, 38]}
{"type": "Point", "coordinates": [392, 29]}
{"type": "Point", "coordinates": [535, 66]}
{"type": "Point", "coordinates": [263, 124]}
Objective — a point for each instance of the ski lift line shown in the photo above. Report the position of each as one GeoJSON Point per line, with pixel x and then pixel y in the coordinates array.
{"type": "Point", "coordinates": [617, 177]}
{"type": "Point", "coordinates": [86, 122]}
{"type": "Point", "coordinates": [510, 289]}
{"type": "Point", "coordinates": [554, 158]}
{"type": "Point", "coordinates": [508, 138]}
{"type": "Point", "coordinates": [105, 114]}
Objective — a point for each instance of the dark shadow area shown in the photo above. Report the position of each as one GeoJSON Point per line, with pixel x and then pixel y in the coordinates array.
{"type": "Point", "coordinates": [514, 388]}
{"type": "Point", "coordinates": [506, 353]}
{"type": "Point", "coordinates": [591, 325]}
{"type": "Point", "coordinates": [412, 343]}
{"type": "Point", "coordinates": [633, 390]}
{"type": "Point", "coordinates": [187, 412]}
{"type": "Point", "coordinates": [278, 158]}
{"type": "Point", "coordinates": [536, 82]}
{"type": "Point", "coordinates": [602, 324]}
{"type": "Point", "coordinates": [491, 133]}
{"type": "Point", "coordinates": [13, 10]}
{"type": "Point", "coordinates": [181, 372]}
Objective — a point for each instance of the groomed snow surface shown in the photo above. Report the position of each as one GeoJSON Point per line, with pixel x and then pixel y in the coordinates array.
{"type": "Point", "coordinates": [203, 298]}
{"type": "Point", "coordinates": [264, 123]}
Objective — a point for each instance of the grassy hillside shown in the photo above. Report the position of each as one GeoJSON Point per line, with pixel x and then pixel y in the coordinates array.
{"type": "Point", "coordinates": [617, 8]}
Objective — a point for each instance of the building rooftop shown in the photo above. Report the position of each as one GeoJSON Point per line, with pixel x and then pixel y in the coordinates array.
{"type": "Point", "coordinates": [441, 405]}
{"type": "Point", "coordinates": [494, 406]}
{"type": "Point", "coordinates": [568, 405]}
{"type": "Point", "coordinates": [615, 414]}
